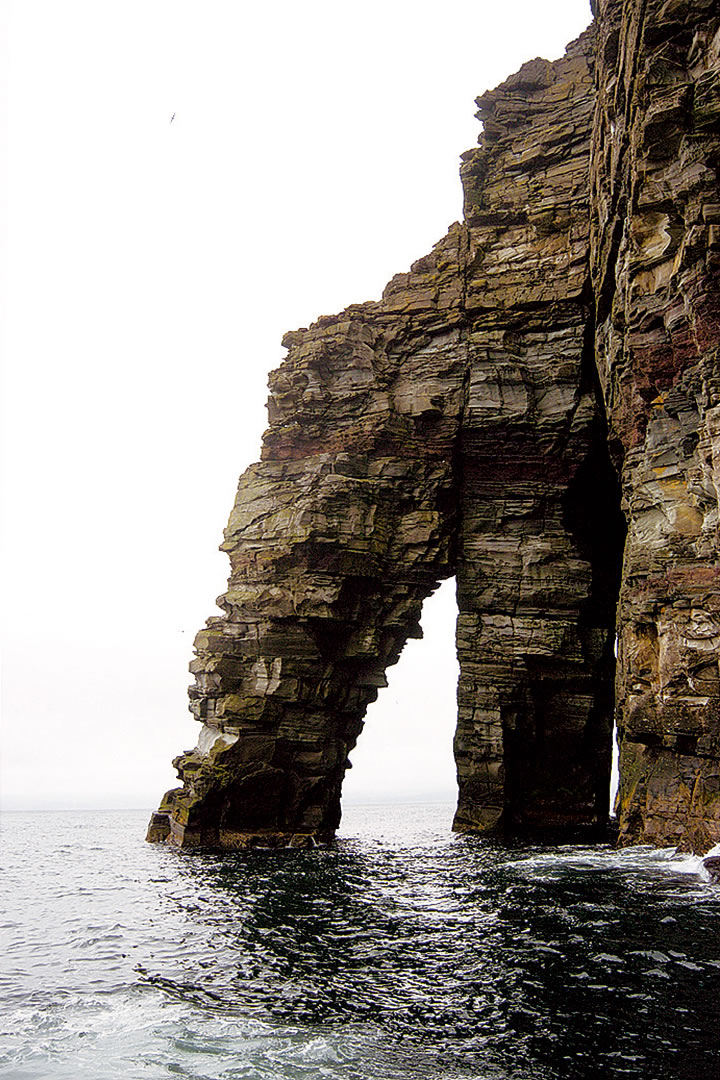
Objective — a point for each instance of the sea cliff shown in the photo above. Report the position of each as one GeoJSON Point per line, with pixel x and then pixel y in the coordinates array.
{"type": "Point", "coordinates": [534, 409]}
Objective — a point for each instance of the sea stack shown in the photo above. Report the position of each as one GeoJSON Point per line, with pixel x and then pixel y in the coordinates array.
{"type": "Point", "coordinates": [534, 408]}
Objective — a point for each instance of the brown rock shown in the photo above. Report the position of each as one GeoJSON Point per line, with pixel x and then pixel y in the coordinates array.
{"type": "Point", "coordinates": [655, 153]}
{"type": "Point", "coordinates": [464, 424]}
{"type": "Point", "coordinates": [712, 865]}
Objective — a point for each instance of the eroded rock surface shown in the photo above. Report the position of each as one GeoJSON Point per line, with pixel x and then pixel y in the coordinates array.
{"type": "Point", "coordinates": [461, 425]}
{"type": "Point", "coordinates": [656, 254]}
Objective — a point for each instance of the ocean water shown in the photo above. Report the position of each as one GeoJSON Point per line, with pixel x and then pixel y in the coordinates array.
{"type": "Point", "coordinates": [401, 953]}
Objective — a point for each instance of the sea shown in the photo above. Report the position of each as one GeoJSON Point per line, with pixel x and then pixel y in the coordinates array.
{"type": "Point", "coordinates": [402, 952]}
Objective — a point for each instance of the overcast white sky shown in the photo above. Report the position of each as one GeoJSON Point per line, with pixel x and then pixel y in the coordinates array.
{"type": "Point", "coordinates": [152, 269]}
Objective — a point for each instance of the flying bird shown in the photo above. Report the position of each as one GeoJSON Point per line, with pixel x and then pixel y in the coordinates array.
{"type": "Point", "coordinates": [172, 118]}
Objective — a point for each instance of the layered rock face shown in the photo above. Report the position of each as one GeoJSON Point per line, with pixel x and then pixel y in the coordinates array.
{"type": "Point", "coordinates": [336, 538]}
{"type": "Point", "coordinates": [656, 255]}
{"type": "Point", "coordinates": [460, 426]}
{"type": "Point", "coordinates": [535, 628]}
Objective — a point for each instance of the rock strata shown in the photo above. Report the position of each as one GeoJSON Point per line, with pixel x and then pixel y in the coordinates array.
{"type": "Point", "coordinates": [655, 219]}
{"type": "Point", "coordinates": [543, 379]}
{"type": "Point", "coordinates": [534, 631]}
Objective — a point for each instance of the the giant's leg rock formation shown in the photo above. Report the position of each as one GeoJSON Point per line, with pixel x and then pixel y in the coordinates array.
{"type": "Point", "coordinates": [540, 534]}
{"type": "Point", "coordinates": [480, 420]}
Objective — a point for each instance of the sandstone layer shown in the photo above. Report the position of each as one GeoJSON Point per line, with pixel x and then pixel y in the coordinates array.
{"type": "Point", "coordinates": [546, 377]}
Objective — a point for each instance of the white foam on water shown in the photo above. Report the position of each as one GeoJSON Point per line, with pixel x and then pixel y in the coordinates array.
{"type": "Point", "coordinates": [549, 866]}
{"type": "Point", "coordinates": [692, 864]}
{"type": "Point", "coordinates": [124, 1033]}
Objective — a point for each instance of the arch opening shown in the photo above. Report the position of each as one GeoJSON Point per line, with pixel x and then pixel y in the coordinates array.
{"type": "Point", "coordinates": [404, 753]}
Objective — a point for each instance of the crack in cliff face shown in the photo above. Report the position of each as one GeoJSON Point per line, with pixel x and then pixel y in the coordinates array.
{"type": "Point", "coordinates": [464, 424]}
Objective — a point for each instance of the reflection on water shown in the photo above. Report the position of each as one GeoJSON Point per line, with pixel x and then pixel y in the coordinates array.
{"type": "Point", "coordinates": [402, 952]}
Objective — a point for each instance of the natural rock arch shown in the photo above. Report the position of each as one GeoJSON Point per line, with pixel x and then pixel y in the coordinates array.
{"type": "Point", "coordinates": [460, 426]}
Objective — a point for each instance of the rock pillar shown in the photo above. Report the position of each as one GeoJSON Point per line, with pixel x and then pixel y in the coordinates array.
{"type": "Point", "coordinates": [540, 534]}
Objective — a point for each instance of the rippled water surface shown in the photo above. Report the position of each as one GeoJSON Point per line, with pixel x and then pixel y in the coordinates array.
{"type": "Point", "coordinates": [404, 952]}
